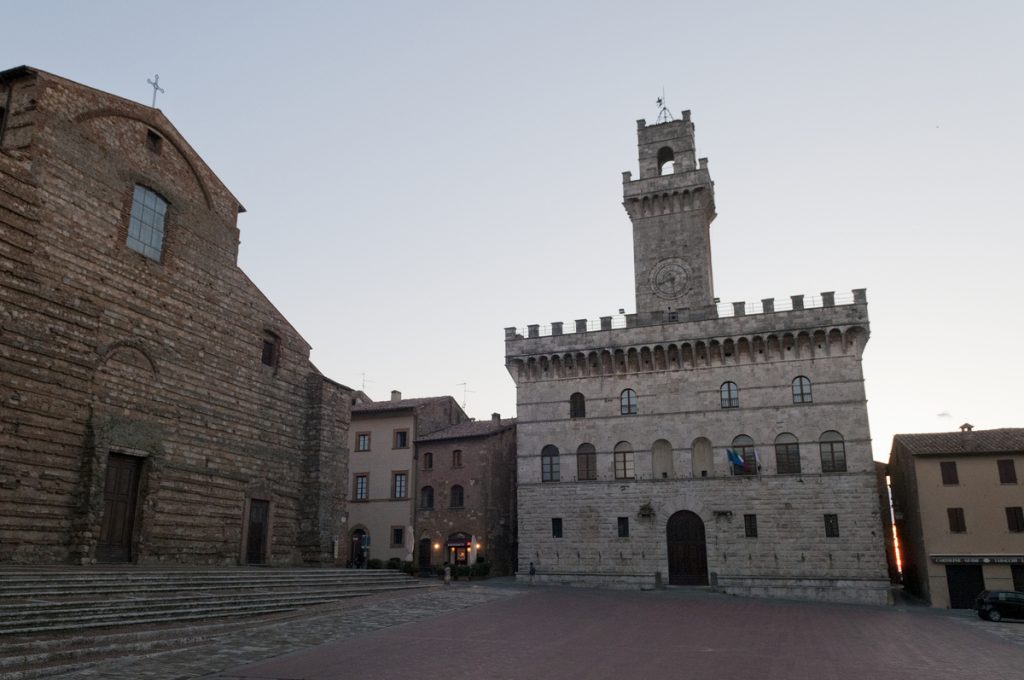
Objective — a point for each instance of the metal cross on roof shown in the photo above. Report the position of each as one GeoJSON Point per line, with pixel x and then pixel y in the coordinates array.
{"type": "Point", "coordinates": [156, 87]}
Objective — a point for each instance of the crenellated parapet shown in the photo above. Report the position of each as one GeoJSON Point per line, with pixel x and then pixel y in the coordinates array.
{"type": "Point", "coordinates": [625, 344]}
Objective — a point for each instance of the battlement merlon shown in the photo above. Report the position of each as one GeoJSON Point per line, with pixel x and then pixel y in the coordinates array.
{"type": "Point", "coordinates": [707, 326]}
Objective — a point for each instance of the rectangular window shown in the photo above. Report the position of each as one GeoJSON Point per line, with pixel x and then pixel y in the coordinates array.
{"type": "Point", "coordinates": [270, 351]}
{"type": "Point", "coordinates": [556, 527]}
{"type": "Point", "coordinates": [623, 527]}
{"type": "Point", "coordinates": [750, 525]}
{"type": "Point", "coordinates": [957, 524]}
{"type": "Point", "coordinates": [428, 461]}
{"type": "Point", "coordinates": [456, 458]}
{"type": "Point", "coordinates": [624, 465]}
{"type": "Point", "coordinates": [832, 526]}
{"type": "Point", "coordinates": [362, 488]}
{"type": "Point", "coordinates": [586, 466]}
{"type": "Point", "coordinates": [146, 224]}
{"type": "Point", "coordinates": [1015, 519]}
{"type": "Point", "coordinates": [401, 439]}
{"type": "Point", "coordinates": [362, 441]}
{"type": "Point", "coordinates": [399, 485]}
{"type": "Point", "coordinates": [949, 476]}
{"type": "Point", "coordinates": [1007, 472]}
{"type": "Point", "coordinates": [397, 537]}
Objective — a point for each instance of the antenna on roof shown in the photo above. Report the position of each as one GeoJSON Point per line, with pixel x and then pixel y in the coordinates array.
{"type": "Point", "coordinates": [664, 115]}
{"type": "Point", "coordinates": [465, 389]}
{"type": "Point", "coordinates": [156, 87]}
{"type": "Point", "coordinates": [363, 388]}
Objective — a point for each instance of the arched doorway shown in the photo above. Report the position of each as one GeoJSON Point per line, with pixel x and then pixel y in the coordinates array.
{"type": "Point", "coordinates": [358, 545]}
{"type": "Point", "coordinates": [424, 554]}
{"type": "Point", "coordinates": [687, 550]}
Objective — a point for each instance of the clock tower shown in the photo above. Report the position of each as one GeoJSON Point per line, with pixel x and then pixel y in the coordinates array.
{"type": "Point", "coordinates": [671, 206]}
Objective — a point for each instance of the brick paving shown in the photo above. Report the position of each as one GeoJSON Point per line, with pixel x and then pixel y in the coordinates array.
{"type": "Point", "coordinates": [491, 632]}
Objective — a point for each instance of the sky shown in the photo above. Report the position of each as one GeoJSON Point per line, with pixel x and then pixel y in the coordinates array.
{"type": "Point", "coordinates": [418, 176]}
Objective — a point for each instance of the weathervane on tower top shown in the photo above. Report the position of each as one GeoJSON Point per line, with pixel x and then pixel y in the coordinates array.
{"type": "Point", "coordinates": [664, 115]}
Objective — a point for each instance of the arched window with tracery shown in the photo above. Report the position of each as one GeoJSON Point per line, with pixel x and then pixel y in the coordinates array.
{"type": "Point", "coordinates": [624, 461]}
{"type": "Point", "coordinates": [787, 454]}
{"type": "Point", "coordinates": [743, 456]}
{"type": "Point", "coordinates": [586, 462]}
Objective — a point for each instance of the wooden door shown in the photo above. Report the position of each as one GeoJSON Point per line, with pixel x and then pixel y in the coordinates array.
{"type": "Point", "coordinates": [965, 581]}
{"type": "Point", "coordinates": [120, 495]}
{"type": "Point", "coordinates": [687, 550]}
{"type": "Point", "coordinates": [424, 554]}
{"type": "Point", "coordinates": [259, 525]}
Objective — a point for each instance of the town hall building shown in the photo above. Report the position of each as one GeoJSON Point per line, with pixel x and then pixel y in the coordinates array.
{"type": "Point", "coordinates": [693, 443]}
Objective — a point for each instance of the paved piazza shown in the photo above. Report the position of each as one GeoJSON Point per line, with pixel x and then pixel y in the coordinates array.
{"type": "Point", "coordinates": [502, 631]}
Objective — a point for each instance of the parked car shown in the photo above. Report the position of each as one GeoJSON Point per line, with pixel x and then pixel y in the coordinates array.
{"type": "Point", "coordinates": [996, 605]}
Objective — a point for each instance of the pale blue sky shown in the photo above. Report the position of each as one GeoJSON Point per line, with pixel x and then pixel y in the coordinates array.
{"type": "Point", "coordinates": [420, 175]}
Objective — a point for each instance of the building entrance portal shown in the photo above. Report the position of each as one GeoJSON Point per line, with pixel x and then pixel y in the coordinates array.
{"type": "Point", "coordinates": [358, 548]}
{"type": "Point", "coordinates": [965, 581]}
{"type": "Point", "coordinates": [120, 493]}
{"type": "Point", "coordinates": [259, 528]}
{"type": "Point", "coordinates": [687, 550]}
{"type": "Point", "coordinates": [458, 548]}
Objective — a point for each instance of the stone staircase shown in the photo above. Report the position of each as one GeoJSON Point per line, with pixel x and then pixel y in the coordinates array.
{"type": "Point", "coordinates": [55, 620]}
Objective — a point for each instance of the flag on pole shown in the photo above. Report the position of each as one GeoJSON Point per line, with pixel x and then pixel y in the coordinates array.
{"type": "Point", "coordinates": [734, 458]}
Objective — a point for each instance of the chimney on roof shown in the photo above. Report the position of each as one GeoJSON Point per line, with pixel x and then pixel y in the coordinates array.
{"type": "Point", "coordinates": [966, 427]}
{"type": "Point", "coordinates": [495, 417]}
{"type": "Point", "coordinates": [396, 395]}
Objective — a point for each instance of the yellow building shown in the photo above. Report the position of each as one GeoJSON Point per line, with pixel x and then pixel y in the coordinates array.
{"type": "Point", "coordinates": [957, 501]}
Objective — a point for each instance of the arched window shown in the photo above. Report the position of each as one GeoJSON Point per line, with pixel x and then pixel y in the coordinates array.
{"type": "Point", "coordinates": [833, 452]}
{"type": "Point", "coordinates": [661, 459]}
{"type": "Point", "coordinates": [456, 458]}
{"type": "Point", "coordinates": [428, 461]}
{"type": "Point", "coordinates": [627, 403]}
{"type": "Point", "coordinates": [801, 390]}
{"type": "Point", "coordinates": [787, 454]}
{"type": "Point", "coordinates": [586, 462]}
{"type": "Point", "coordinates": [146, 224]}
{"type": "Point", "coordinates": [730, 395]}
{"type": "Point", "coordinates": [549, 464]}
{"type": "Point", "coordinates": [577, 406]}
{"type": "Point", "coordinates": [743, 456]}
{"type": "Point", "coordinates": [703, 458]}
{"type": "Point", "coordinates": [458, 498]}
{"type": "Point", "coordinates": [427, 498]}
{"type": "Point", "coordinates": [624, 467]}
{"type": "Point", "coordinates": [666, 161]}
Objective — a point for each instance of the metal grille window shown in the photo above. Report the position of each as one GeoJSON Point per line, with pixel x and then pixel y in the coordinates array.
{"type": "Point", "coordinates": [730, 395]}
{"type": "Point", "coordinates": [628, 403]}
{"type": "Point", "coordinates": [833, 452]}
{"type": "Point", "coordinates": [427, 498]}
{"type": "Point", "coordinates": [549, 467]}
{"type": "Point", "coordinates": [577, 406]}
{"type": "Point", "coordinates": [1007, 472]}
{"type": "Point", "coordinates": [623, 527]}
{"type": "Point", "coordinates": [1015, 519]}
{"type": "Point", "coordinates": [957, 523]}
{"type": "Point", "coordinates": [801, 390]}
{"type": "Point", "coordinates": [624, 461]}
{"type": "Point", "coordinates": [586, 462]}
{"type": "Point", "coordinates": [787, 454]}
{"type": "Point", "coordinates": [750, 525]}
{"type": "Point", "coordinates": [399, 487]}
{"type": "Point", "coordinates": [362, 488]}
{"type": "Point", "coordinates": [146, 224]}
{"type": "Point", "coordinates": [949, 474]}
{"type": "Point", "coordinates": [458, 499]}
{"type": "Point", "coordinates": [832, 526]}
{"type": "Point", "coordinates": [556, 527]}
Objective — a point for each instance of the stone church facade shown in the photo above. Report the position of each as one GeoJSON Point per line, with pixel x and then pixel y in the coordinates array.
{"type": "Point", "coordinates": [155, 407]}
{"type": "Point", "coordinates": [688, 444]}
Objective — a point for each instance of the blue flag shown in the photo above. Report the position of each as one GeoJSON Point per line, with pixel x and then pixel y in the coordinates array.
{"type": "Point", "coordinates": [734, 458]}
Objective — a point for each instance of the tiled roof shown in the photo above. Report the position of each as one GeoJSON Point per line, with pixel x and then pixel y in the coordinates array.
{"type": "Point", "coordinates": [978, 441]}
{"type": "Point", "coordinates": [470, 428]}
{"type": "Point", "coordinates": [380, 406]}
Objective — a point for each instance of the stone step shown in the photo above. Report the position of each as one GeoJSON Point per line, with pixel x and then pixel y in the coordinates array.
{"type": "Point", "coordinates": [9, 578]}
{"type": "Point", "coordinates": [60, 590]}
{"type": "Point", "coordinates": [22, 615]}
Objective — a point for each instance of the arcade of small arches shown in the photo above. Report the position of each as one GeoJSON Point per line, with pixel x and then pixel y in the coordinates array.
{"type": "Point", "coordinates": [456, 497]}
{"type": "Point", "coordinates": [742, 452]}
{"type": "Point", "coordinates": [665, 203]}
{"type": "Point", "coordinates": [689, 355]}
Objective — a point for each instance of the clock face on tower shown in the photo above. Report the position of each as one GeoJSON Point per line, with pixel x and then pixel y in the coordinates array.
{"type": "Point", "coordinates": [670, 278]}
